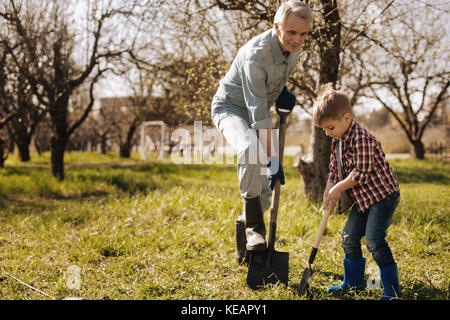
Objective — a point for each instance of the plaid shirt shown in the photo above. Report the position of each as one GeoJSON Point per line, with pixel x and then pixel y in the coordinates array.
{"type": "Point", "coordinates": [363, 156]}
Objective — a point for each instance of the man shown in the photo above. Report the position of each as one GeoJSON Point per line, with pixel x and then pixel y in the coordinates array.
{"type": "Point", "coordinates": [252, 85]}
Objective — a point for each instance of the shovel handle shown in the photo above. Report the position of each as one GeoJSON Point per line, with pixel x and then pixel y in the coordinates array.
{"type": "Point", "coordinates": [276, 189]}
{"type": "Point", "coordinates": [319, 234]}
{"type": "Point", "coordinates": [277, 186]}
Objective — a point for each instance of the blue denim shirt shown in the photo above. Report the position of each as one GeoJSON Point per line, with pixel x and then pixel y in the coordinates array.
{"type": "Point", "coordinates": [255, 80]}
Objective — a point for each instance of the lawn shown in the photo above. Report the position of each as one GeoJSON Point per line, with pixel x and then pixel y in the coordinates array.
{"type": "Point", "coordinates": [157, 230]}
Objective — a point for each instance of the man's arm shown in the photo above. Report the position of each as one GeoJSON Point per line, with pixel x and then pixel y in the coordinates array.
{"type": "Point", "coordinates": [253, 78]}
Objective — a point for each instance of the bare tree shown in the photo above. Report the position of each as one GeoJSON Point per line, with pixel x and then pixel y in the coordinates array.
{"type": "Point", "coordinates": [191, 58]}
{"type": "Point", "coordinates": [4, 147]}
{"type": "Point", "coordinates": [407, 67]}
{"type": "Point", "coordinates": [16, 96]}
{"type": "Point", "coordinates": [44, 50]}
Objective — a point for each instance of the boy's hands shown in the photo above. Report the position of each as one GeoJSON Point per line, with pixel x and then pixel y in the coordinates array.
{"type": "Point", "coordinates": [331, 198]}
{"type": "Point", "coordinates": [333, 192]}
{"type": "Point", "coordinates": [327, 204]}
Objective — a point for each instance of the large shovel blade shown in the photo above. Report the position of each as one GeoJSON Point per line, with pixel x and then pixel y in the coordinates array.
{"type": "Point", "coordinates": [261, 273]}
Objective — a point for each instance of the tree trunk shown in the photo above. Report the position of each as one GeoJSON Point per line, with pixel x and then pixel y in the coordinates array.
{"type": "Point", "coordinates": [419, 149]}
{"type": "Point", "coordinates": [125, 148]}
{"type": "Point", "coordinates": [23, 144]}
{"type": "Point", "coordinates": [60, 137]}
{"type": "Point", "coordinates": [57, 158]}
{"type": "Point", "coordinates": [314, 168]}
{"type": "Point", "coordinates": [2, 153]}
{"type": "Point", "coordinates": [103, 141]}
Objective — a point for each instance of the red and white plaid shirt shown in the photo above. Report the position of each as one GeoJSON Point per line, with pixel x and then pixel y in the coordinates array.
{"type": "Point", "coordinates": [363, 156]}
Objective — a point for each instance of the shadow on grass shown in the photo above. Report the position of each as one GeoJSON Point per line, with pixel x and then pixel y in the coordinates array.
{"type": "Point", "coordinates": [173, 168]}
{"type": "Point", "coordinates": [24, 206]}
{"type": "Point", "coordinates": [422, 171]}
{"type": "Point", "coordinates": [419, 290]}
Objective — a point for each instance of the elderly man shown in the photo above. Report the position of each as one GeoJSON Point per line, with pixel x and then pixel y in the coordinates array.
{"type": "Point", "coordinates": [254, 82]}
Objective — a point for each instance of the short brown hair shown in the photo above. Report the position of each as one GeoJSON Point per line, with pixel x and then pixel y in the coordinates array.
{"type": "Point", "coordinates": [330, 104]}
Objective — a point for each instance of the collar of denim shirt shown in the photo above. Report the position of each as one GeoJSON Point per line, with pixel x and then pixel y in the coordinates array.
{"type": "Point", "coordinates": [276, 49]}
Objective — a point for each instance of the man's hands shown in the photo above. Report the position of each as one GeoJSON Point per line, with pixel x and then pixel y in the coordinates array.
{"type": "Point", "coordinates": [275, 171]}
{"type": "Point", "coordinates": [285, 100]}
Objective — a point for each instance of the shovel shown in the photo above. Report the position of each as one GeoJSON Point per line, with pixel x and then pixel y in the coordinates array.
{"type": "Point", "coordinates": [271, 266]}
{"type": "Point", "coordinates": [308, 273]}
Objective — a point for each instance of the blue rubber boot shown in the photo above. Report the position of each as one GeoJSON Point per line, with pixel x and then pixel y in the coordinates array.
{"type": "Point", "coordinates": [389, 279]}
{"type": "Point", "coordinates": [353, 276]}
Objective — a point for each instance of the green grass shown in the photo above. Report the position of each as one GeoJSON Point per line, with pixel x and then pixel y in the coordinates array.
{"type": "Point", "coordinates": [157, 230]}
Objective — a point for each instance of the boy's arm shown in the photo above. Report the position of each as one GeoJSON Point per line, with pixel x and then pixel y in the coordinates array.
{"type": "Point", "coordinates": [363, 159]}
{"type": "Point", "coordinates": [335, 191]}
{"type": "Point", "coordinates": [327, 203]}
{"type": "Point", "coordinates": [331, 181]}
{"type": "Point", "coordinates": [343, 185]}
{"type": "Point", "coordinates": [327, 189]}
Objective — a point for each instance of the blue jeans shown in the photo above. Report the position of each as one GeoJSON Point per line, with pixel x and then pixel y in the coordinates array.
{"type": "Point", "coordinates": [373, 224]}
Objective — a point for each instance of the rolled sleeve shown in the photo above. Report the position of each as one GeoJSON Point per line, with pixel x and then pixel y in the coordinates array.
{"type": "Point", "coordinates": [255, 94]}
{"type": "Point", "coordinates": [363, 159]}
{"type": "Point", "coordinates": [332, 176]}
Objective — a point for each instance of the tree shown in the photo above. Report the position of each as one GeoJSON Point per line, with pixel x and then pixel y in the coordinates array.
{"type": "Point", "coordinates": [45, 50]}
{"type": "Point", "coordinates": [407, 67]}
{"type": "Point", "coordinates": [3, 144]}
{"type": "Point", "coordinates": [327, 35]}
{"type": "Point", "coordinates": [122, 116]}
{"type": "Point", "coordinates": [17, 96]}
{"type": "Point", "coordinates": [190, 83]}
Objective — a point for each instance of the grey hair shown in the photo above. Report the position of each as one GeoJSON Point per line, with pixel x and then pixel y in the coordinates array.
{"type": "Point", "coordinates": [300, 9]}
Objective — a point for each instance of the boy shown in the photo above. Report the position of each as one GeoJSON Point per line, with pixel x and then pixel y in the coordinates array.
{"type": "Point", "coordinates": [359, 170]}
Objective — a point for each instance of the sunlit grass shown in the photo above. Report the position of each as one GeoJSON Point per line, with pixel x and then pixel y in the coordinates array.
{"type": "Point", "coordinates": [153, 230]}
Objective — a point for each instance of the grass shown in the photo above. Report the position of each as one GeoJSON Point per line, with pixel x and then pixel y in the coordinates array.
{"type": "Point", "coordinates": [156, 230]}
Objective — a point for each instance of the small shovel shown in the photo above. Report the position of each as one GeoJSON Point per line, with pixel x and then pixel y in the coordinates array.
{"type": "Point", "coordinates": [308, 274]}
{"type": "Point", "coordinates": [271, 266]}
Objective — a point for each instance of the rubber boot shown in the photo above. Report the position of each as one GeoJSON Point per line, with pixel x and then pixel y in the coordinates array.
{"type": "Point", "coordinates": [389, 279]}
{"type": "Point", "coordinates": [241, 241]}
{"type": "Point", "coordinates": [255, 229]}
{"type": "Point", "coordinates": [353, 276]}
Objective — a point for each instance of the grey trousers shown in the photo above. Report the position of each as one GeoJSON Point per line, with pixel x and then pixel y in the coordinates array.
{"type": "Point", "coordinates": [252, 163]}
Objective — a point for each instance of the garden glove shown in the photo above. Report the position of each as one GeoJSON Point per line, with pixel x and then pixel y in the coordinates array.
{"type": "Point", "coordinates": [285, 100]}
{"type": "Point", "coordinates": [275, 171]}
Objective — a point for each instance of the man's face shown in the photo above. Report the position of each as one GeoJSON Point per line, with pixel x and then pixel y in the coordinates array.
{"type": "Point", "coordinates": [292, 33]}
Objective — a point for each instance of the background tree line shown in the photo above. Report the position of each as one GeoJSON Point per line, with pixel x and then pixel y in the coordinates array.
{"type": "Point", "coordinates": [57, 55]}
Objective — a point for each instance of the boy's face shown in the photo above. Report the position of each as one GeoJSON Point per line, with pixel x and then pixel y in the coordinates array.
{"type": "Point", "coordinates": [292, 33]}
{"type": "Point", "coordinates": [335, 128]}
